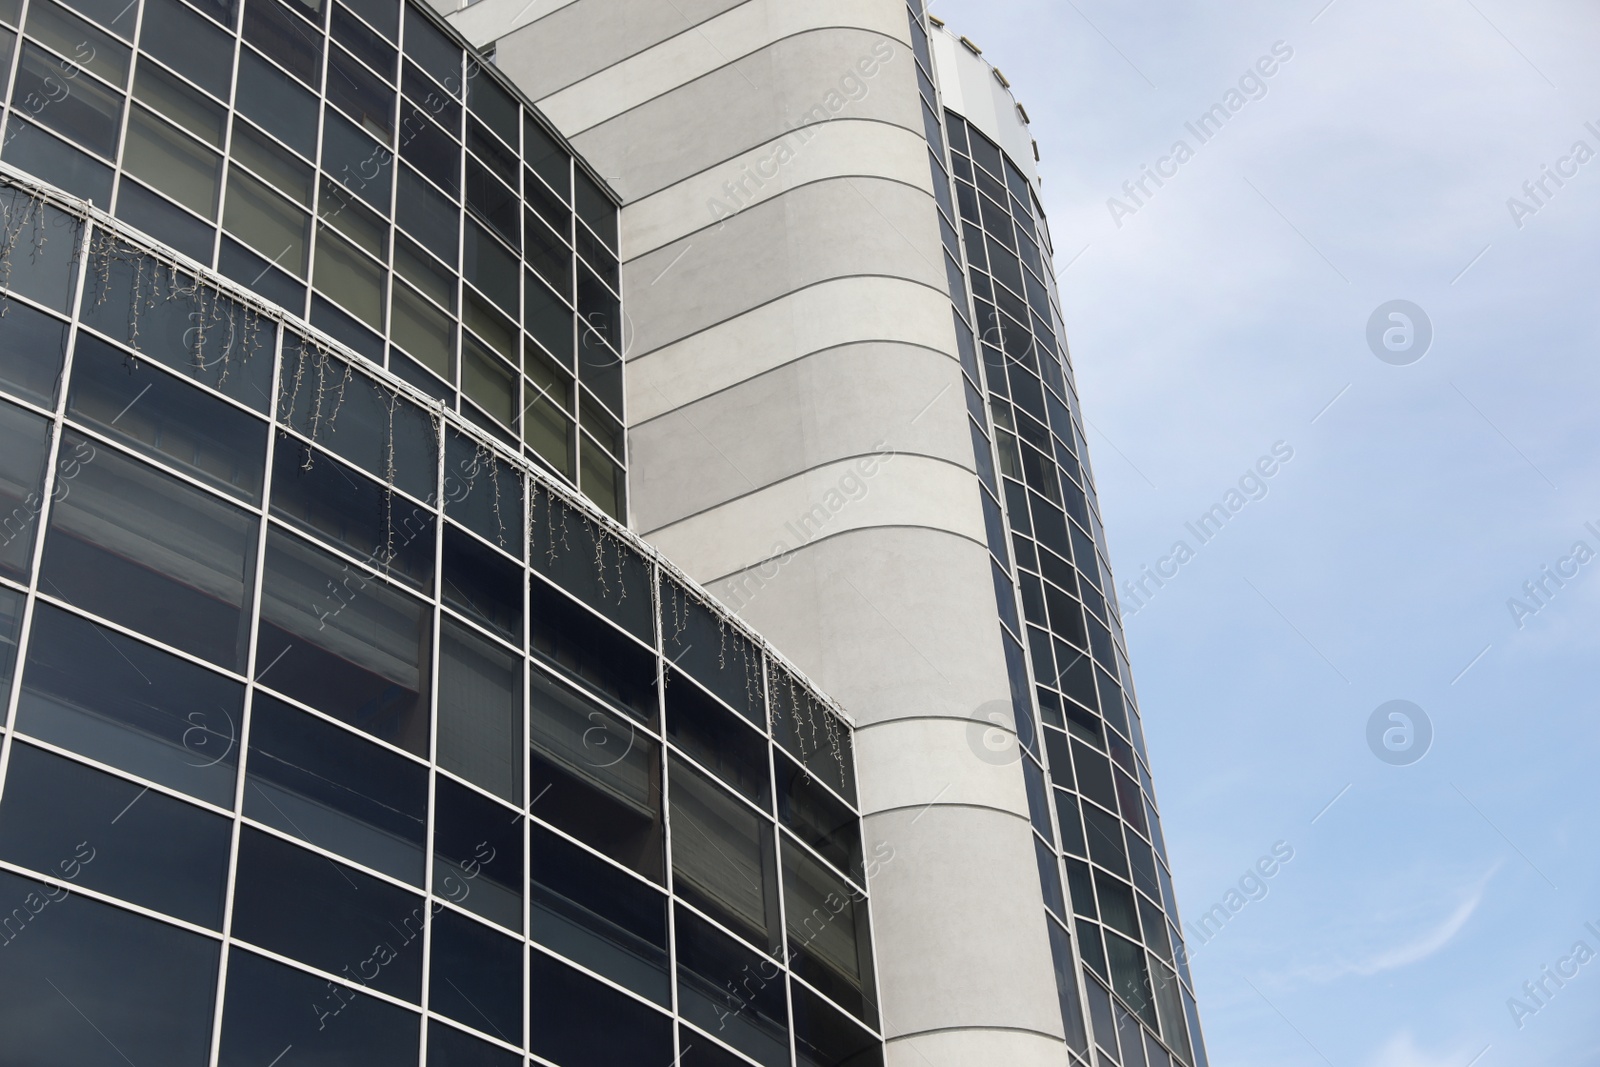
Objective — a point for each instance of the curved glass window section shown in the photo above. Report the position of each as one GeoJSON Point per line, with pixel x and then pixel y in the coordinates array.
{"type": "Point", "coordinates": [346, 725]}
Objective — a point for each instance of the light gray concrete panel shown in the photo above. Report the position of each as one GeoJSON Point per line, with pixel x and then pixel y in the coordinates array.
{"type": "Point", "coordinates": [832, 229]}
{"type": "Point", "coordinates": [892, 623]}
{"type": "Point", "coordinates": [795, 82]}
{"type": "Point", "coordinates": [958, 919]}
{"type": "Point", "coordinates": [819, 317]}
{"type": "Point", "coordinates": [844, 402]}
{"type": "Point", "coordinates": [916, 762]}
{"type": "Point", "coordinates": [544, 50]}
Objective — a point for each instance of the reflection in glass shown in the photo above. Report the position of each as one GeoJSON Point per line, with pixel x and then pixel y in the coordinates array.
{"type": "Point", "coordinates": [722, 857]}
{"type": "Point", "coordinates": [477, 853]}
{"type": "Point", "coordinates": [122, 702]}
{"type": "Point", "coordinates": [24, 444]}
{"type": "Point", "coordinates": [480, 712]}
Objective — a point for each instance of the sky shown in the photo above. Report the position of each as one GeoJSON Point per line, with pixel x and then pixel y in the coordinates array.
{"type": "Point", "coordinates": [1443, 859]}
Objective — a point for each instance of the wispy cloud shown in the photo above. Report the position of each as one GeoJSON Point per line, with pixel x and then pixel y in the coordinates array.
{"type": "Point", "coordinates": [1401, 1051]}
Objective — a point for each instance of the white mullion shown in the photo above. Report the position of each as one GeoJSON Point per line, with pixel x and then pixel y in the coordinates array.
{"type": "Point", "coordinates": [429, 849]}
{"type": "Point", "coordinates": [241, 765]}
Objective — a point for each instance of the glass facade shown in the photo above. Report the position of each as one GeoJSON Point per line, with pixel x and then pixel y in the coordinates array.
{"type": "Point", "coordinates": [337, 731]}
{"type": "Point", "coordinates": [353, 163]}
{"type": "Point", "coordinates": [1121, 967]}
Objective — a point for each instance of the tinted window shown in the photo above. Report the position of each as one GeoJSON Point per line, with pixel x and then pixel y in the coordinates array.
{"type": "Point", "coordinates": [342, 641]}
{"type": "Point", "coordinates": [293, 43]}
{"type": "Point", "coordinates": [449, 1047]}
{"type": "Point", "coordinates": [146, 551]}
{"type": "Point", "coordinates": [591, 912]}
{"type": "Point", "coordinates": [480, 712]}
{"type": "Point", "coordinates": [90, 828]}
{"type": "Point", "coordinates": [477, 854]}
{"type": "Point", "coordinates": [587, 650]}
{"type": "Point", "coordinates": [149, 987]}
{"type": "Point", "coordinates": [331, 916]}
{"type": "Point", "coordinates": [122, 702]}
{"type": "Point", "coordinates": [189, 44]}
{"type": "Point", "coordinates": [24, 445]}
{"type": "Point", "coordinates": [166, 419]}
{"type": "Point", "coordinates": [265, 1014]}
{"type": "Point", "coordinates": [722, 857]}
{"type": "Point", "coordinates": [32, 345]}
{"type": "Point", "coordinates": [825, 1037]}
{"type": "Point", "coordinates": [49, 239]}
{"type": "Point", "coordinates": [88, 113]}
{"type": "Point", "coordinates": [475, 976]}
{"type": "Point", "coordinates": [274, 100]}
{"type": "Point", "coordinates": [718, 739]}
{"type": "Point", "coordinates": [482, 584]}
{"type": "Point", "coordinates": [578, 1022]}
{"type": "Point", "coordinates": [818, 818]}
{"type": "Point", "coordinates": [731, 991]}
{"type": "Point", "coordinates": [830, 945]}
{"type": "Point", "coordinates": [719, 656]}
{"type": "Point", "coordinates": [327, 786]}
{"type": "Point", "coordinates": [595, 775]}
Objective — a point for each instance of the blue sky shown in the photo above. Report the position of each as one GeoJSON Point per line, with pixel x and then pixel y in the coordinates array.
{"type": "Point", "coordinates": [1223, 316]}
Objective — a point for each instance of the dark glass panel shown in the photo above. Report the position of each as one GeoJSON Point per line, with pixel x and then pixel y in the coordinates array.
{"type": "Point", "coordinates": [483, 493]}
{"type": "Point", "coordinates": [548, 255]}
{"type": "Point", "coordinates": [112, 14]}
{"type": "Point", "coordinates": [295, 44]}
{"type": "Point", "coordinates": [275, 102]}
{"type": "Point", "coordinates": [338, 505]}
{"type": "Point", "coordinates": [1092, 949]}
{"type": "Point", "coordinates": [475, 976]}
{"type": "Point", "coordinates": [699, 1051]}
{"type": "Point", "coordinates": [480, 712]}
{"type": "Point", "coordinates": [142, 549]}
{"type": "Point", "coordinates": [145, 211]}
{"type": "Point", "coordinates": [718, 655]}
{"type": "Point", "coordinates": [344, 643]}
{"type": "Point", "coordinates": [578, 1022]}
{"type": "Point", "coordinates": [24, 449]}
{"type": "Point", "coordinates": [333, 789]}
{"type": "Point", "coordinates": [586, 650]}
{"type": "Point", "coordinates": [731, 991]}
{"type": "Point", "coordinates": [477, 853]}
{"type": "Point", "coordinates": [432, 50]}
{"type": "Point", "coordinates": [147, 987]}
{"type": "Point", "coordinates": [1130, 977]}
{"type": "Point", "coordinates": [1070, 825]}
{"type": "Point", "coordinates": [430, 98]}
{"type": "Point", "coordinates": [166, 316]}
{"type": "Point", "coordinates": [74, 822]}
{"type": "Point", "coordinates": [596, 208]}
{"type": "Point", "coordinates": [818, 818]}
{"type": "Point", "coordinates": [591, 912]}
{"type": "Point", "coordinates": [32, 346]}
{"type": "Point", "coordinates": [1116, 905]}
{"type": "Point", "coordinates": [265, 1014]}
{"type": "Point", "coordinates": [158, 414]}
{"type": "Point", "coordinates": [826, 1037]}
{"type": "Point", "coordinates": [1081, 886]}
{"type": "Point", "coordinates": [594, 775]}
{"type": "Point", "coordinates": [1094, 775]}
{"type": "Point", "coordinates": [549, 320]}
{"type": "Point", "coordinates": [493, 201]}
{"type": "Point", "coordinates": [546, 156]}
{"type": "Point", "coordinates": [77, 108]}
{"type": "Point", "coordinates": [488, 265]}
{"type": "Point", "coordinates": [365, 45]}
{"type": "Point", "coordinates": [434, 221]}
{"type": "Point", "coordinates": [489, 101]}
{"type": "Point", "coordinates": [127, 704]}
{"type": "Point", "coordinates": [433, 152]}
{"type": "Point", "coordinates": [601, 481]}
{"type": "Point", "coordinates": [354, 89]}
{"type": "Point", "coordinates": [383, 14]}
{"type": "Point", "coordinates": [188, 44]}
{"type": "Point", "coordinates": [723, 861]}
{"type": "Point", "coordinates": [830, 942]}
{"type": "Point", "coordinates": [1067, 988]}
{"type": "Point", "coordinates": [10, 628]}
{"type": "Point", "coordinates": [1106, 845]}
{"type": "Point", "coordinates": [270, 224]}
{"type": "Point", "coordinates": [718, 740]}
{"type": "Point", "coordinates": [352, 157]}
{"type": "Point", "coordinates": [482, 584]}
{"type": "Point", "coordinates": [29, 147]}
{"type": "Point", "coordinates": [449, 1047]}
{"type": "Point", "coordinates": [379, 431]}
{"type": "Point", "coordinates": [811, 733]}
{"type": "Point", "coordinates": [334, 917]}
{"type": "Point", "coordinates": [72, 36]}
{"type": "Point", "coordinates": [43, 261]}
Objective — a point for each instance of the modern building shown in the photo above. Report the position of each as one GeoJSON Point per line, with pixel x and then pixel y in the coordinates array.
{"type": "Point", "coordinates": [551, 533]}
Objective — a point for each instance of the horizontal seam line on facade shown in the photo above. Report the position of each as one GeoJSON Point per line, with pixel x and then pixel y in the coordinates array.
{"type": "Point", "coordinates": [789, 363]}
{"type": "Point", "coordinates": [964, 720]}
{"type": "Point", "coordinates": [976, 1029]}
{"type": "Point", "coordinates": [800, 474]}
{"type": "Point", "coordinates": [774, 198]}
{"type": "Point", "coordinates": [773, 43]}
{"type": "Point", "coordinates": [945, 293]}
{"type": "Point", "coordinates": [842, 533]}
{"type": "Point", "coordinates": [1020, 816]}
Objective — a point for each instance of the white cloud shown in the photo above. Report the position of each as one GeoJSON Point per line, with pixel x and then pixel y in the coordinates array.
{"type": "Point", "coordinates": [1401, 1051]}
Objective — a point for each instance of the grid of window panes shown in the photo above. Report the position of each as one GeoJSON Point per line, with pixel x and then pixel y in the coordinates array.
{"type": "Point", "coordinates": [335, 733]}
{"type": "Point", "coordinates": [352, 162]}
{"type": "Point", "coordinates": [1124, 914]}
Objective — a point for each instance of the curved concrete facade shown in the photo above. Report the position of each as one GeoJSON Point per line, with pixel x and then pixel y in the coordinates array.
{"type": "Point", "coordinates": [799, 440]}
